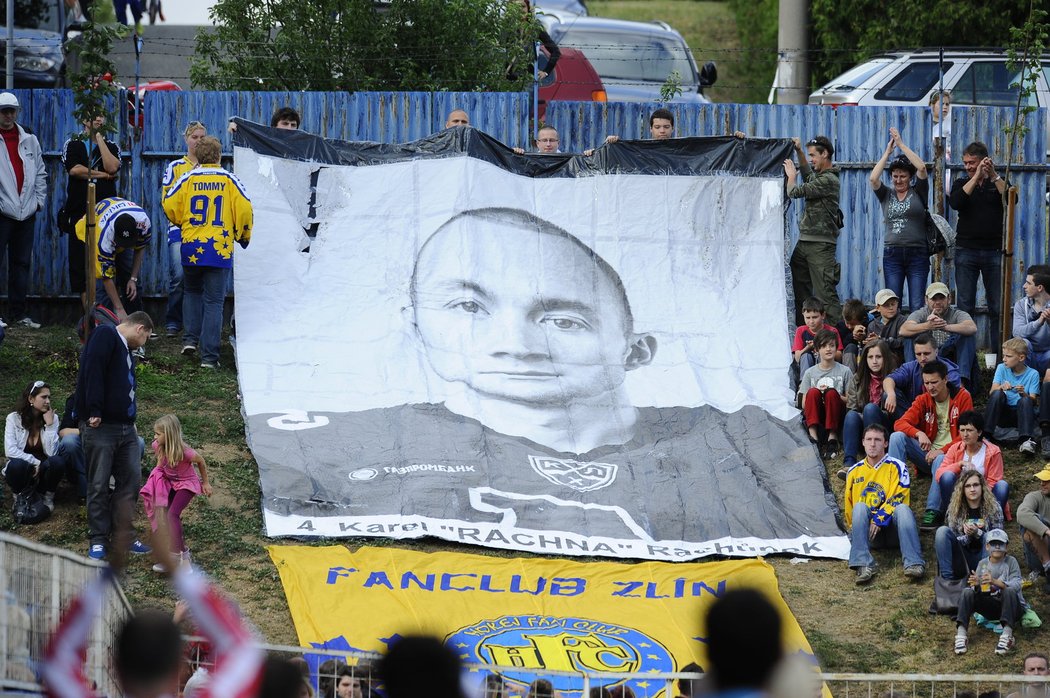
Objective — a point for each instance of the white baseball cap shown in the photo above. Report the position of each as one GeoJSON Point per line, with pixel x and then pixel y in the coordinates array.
{"type": "Point", "coordinates": [8, 100]}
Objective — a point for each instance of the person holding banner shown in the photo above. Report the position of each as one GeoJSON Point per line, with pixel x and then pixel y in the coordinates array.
{"type": "Point", "coordinates": [211, 208]}
{"type": "Point", "coordinates": [814, 269]}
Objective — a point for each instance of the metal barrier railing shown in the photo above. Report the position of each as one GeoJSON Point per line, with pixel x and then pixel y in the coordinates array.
{"type": "Point", "coordinates": [37, 583]}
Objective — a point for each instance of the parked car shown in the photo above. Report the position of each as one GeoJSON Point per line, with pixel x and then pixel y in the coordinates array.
{"type": "Point", "coordinates": [151, 86]}
{"type": "Point", "coordinates": [575, 7]}
{"type": "Point", "coordinates": [633, 59]}
{"type": "Point", "coordinates": [573, 79]}
{"type": "Point", "coordinates": [39, 60]}
{"type": "Point", "coordinates": [909, 78]}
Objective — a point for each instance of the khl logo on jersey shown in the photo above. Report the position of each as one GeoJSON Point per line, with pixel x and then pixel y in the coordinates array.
{"type": "Point", "coordinates": [582, 477]}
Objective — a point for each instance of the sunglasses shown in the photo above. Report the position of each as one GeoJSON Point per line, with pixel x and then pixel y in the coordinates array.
{"type": "Point", "coordinates": [37, 387]}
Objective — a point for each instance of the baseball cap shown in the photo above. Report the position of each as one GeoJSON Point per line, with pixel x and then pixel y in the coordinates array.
{"type": "Point", "coordinates": [996, 535]}
{"type": "Point", "coordinates": [884, 295]}
{"type": "Point", "coordinates": [1044, 474]}
{"type": "Point", "coordinates": [8, 100]}
{"type": "Point", "coordinates": [126, 230]}
{"type": "Point", "coordinates": [936, 288]}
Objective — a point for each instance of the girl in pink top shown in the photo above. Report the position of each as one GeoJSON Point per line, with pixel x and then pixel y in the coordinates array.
{"type": "Point", "coordinates": [173, 482]}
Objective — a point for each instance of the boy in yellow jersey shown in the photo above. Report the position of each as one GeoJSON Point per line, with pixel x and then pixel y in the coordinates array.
{"type": "Point", "coordinates": [876, 506]}
{"type": "Point", "coordinates": [194, 131]}
{"type": "Point", "coordinates": [211, 208]}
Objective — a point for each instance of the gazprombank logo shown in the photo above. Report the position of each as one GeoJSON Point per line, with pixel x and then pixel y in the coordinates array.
{"type": "Point", "coordinates": [536, 643]}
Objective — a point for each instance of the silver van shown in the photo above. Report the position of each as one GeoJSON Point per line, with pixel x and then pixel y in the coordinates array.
{"type": "Point", "coordinates": [908, 78]}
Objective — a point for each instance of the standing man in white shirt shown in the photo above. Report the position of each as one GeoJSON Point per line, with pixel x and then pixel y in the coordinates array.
{"type": "Point", "coordinates": [23, 190]}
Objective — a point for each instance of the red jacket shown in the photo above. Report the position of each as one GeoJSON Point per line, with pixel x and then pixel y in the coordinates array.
{"type": "Point", "coordinates": [953, 462]}
{"type": "Point", "coordinates": [922, 415]}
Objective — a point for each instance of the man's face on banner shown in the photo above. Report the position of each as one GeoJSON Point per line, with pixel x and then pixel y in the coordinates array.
{"type": "Point", "coordinates": [521, 315]}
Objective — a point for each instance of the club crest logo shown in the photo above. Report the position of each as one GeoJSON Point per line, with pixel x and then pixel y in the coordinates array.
{"type": "Point", "coordinates": [536, 642]}
{"type": "Point", "coordinates": [582, 477]}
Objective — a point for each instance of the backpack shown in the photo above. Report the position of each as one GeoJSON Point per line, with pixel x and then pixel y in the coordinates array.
{"type": "Point", "coordinates": [30, 507]}
{"type": "Point", "coordinates": [100, 315]}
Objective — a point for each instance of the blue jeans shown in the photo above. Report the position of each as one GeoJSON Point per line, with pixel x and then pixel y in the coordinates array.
{"type": "Point", "coordinates": [110, 449]}
{"type": "Point", "coordinates": [907, 263]}
{"type": "Point", "coordinates": [905, 448]}
{"type": "Point", "coordinates": [173, 317]}
{"type": "Point", "coordinates": [1039, 360]}
{"type": "Point", "coordinates": [17, 238]}
{"type": "Point", "coordinates": [853, 429]}
{"type": "Point", "coordinates": [1030, 558]}
{"type": "Point", "coordinates": [75, 469]}
{"type": "Point", "coordinates": [969, 264]}
{"type": "Point", "coordinates": [962, 349]}
{"type": "Point", "coordinates": [902, 524]}
{"type": "Point", "coordinates": [941, 492]}
{"type": "Point", "coordinates": [204, 292]}
{"type": "Point", "coordinates": [123, 260]}
{"type": "Point", "coordinates": [952, 557]}
{"type": "Point", "coordinates": [998, 413]}
{"type": "Point", "coordinates": [805, 362]}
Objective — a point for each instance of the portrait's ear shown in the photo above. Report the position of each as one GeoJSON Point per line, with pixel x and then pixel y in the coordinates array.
{"type": "Point", "coordinates": [640, 352]}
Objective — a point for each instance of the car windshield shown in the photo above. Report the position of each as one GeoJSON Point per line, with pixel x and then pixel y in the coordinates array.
{"type": "Point", "coordinates": [856, 76]}
{"type": "Point", "coordinates": [637, 57]}
{"type": "Point", "coordinates": [36, 14]}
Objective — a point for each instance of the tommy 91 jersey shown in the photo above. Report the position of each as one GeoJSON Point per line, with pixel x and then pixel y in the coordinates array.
{"type": "Point", "coordinates": [211, 208]}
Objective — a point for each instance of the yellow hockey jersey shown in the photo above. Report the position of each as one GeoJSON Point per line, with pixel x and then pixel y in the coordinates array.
{"type": "Point", "coordinates": [211, 208]}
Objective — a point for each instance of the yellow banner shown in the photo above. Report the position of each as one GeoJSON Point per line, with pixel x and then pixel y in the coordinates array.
{"type": "Point", "coordinates": [533, 614]}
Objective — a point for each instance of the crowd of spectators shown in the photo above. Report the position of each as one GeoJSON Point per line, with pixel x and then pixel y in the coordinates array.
{"type": "Point", "coordinates": [895, 387]}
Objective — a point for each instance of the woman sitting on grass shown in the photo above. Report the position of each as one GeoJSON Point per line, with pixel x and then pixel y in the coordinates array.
{"type": "Point", "coordinates": [972, 512]}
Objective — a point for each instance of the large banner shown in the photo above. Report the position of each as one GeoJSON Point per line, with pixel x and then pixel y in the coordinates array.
{"type": "Point", "coordinates": [584, 356]}
{"type": "Point", "coordinates": [533, 615]}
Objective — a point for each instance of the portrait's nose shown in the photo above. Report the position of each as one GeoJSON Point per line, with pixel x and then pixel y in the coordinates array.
{"type": "Point", "coordinates": [512, 335]}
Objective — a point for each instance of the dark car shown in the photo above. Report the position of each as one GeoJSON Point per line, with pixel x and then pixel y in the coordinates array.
{"type": "Point", "coordinates": [574, 79]}
{"type": "Point", "coordinates": [38, 36]}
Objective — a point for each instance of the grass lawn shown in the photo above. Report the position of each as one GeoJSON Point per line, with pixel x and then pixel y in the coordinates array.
{"type": "Point", "coordinates": [878, 628]}
{"type": "Point", "coordinates": [708, 27]}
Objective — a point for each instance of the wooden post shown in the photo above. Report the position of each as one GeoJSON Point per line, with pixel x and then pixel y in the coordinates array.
{"type": "Point", "coordinates": [938, 201]}
{"type": "Point", "coordinates": [90, 260]}
{"type": "Point", "coordinates": [1006, 315]}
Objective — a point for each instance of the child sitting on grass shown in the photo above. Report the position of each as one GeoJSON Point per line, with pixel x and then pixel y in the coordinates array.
{"type": "Point", "coordinates": [821, 392]}
{"type": "Point", "coordinates": [803, 348]}
{"type": "Point", "coordinates": [994, 591]}
{"type": "Point", "coordinates": [1011, 400]}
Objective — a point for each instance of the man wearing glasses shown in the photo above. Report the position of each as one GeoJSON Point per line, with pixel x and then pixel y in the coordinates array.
{"type": "Point", "coordinates": [23, 189]}
{"type": "Point", "coordinates": [546, 141]}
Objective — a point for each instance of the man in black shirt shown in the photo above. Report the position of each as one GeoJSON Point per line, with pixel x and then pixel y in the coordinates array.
{"type": "Point", "coordinates": [978, 197]}
{"type": "Point", "coordinates": [89, 155]}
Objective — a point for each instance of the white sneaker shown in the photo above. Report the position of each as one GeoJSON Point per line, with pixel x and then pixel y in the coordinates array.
{"type": "Point", "coordinates": [49, 501]}
{"type": "Point", "coordinates": [2, 323]}
{"type": "Point", "coordinates": [1028, 447]}
{"type": "Point", "coordinates": [28, 322]}
{"type": "Point", "coordinates": [139, 353]}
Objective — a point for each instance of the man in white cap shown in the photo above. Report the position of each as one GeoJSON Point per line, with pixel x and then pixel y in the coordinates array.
{"type": "Point", "coordinates": [952, 328]}
{"type": "Point", "coordinates": [1034, 516]}
{"type": "Point", "coordinates": [23, 188]}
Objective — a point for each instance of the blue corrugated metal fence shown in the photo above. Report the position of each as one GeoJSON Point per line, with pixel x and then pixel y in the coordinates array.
{"type": "Point", "coordinates": [859, 134]}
